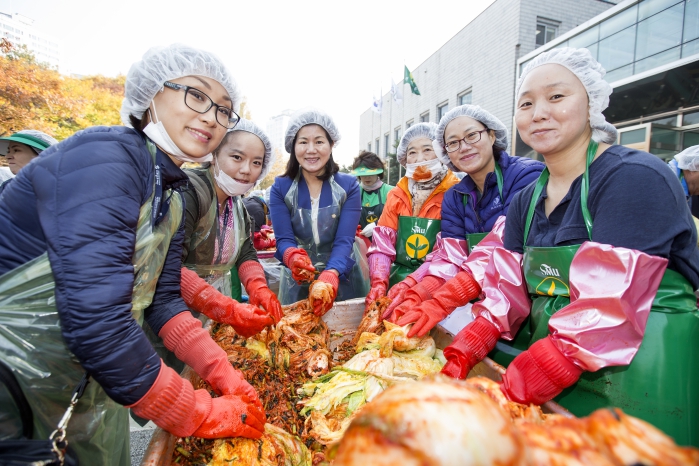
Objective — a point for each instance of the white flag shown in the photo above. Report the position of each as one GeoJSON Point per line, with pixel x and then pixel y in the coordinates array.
{"type": "Point", "coordinates": [377, 105]}
{"type": "Point", "coordinates": [396, 92]}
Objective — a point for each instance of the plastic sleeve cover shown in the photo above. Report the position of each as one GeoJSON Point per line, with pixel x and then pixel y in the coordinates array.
{"type": "Point", "coordinates": [421, 272]}
{"type": "Point", "coordinates": [478, 260]}
{"type": "Point", "coordinates": [379, 267]}
{"type": "Point", "coordinates": [383, 241]}
{"type": "Point", "coordinates": [447, 256]}
{"type": "Point", "coordinates": [611, 291]}
{"type": "Point", "coordinates": [506, 303]}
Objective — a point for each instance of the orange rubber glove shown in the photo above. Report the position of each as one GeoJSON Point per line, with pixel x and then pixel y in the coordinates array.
{"type": "Point", "coordinates": [192, 345]}
{"type": "Point", "coordinates": [397, 295]}
{"type": "Point", "coordinates": [323, 292]}
{"type": "Point", "coordinates": [456, 292]}
{"type": "Point", "coordinates": [174, 405]}
{"type": "Point", "coordinates": [469, 347]}
{"type": "Point", "coordinates": [300, 264]}
{"type": "Point", "coordinates": [539, 374]}
{"type": "Point", "coordinates": [247, 320]}
{"type": "Point", "coordinates": [252, 275]}
{"type": "Point", "coordinates": [416, 295]}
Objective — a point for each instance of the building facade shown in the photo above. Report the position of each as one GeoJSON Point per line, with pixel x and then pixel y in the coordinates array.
{"type": "Point", "coordinates": [478, 65]}
{"type": "Point", "coordinates": [20, 30]}
{"type": "Point", "coordinates": [650, 50]}
{"type": "Point", "coordinates": [276, 129]}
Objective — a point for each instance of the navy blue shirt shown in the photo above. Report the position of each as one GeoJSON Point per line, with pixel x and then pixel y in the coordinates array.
{"type": "Point", "coordinates": [635, 203]}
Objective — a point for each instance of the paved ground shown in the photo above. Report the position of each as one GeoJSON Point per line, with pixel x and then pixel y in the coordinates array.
{"type": "Point", "coordinates": [140, 436]}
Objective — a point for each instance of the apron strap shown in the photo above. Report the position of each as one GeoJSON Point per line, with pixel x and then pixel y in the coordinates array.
{"type": "Point", "coordinates": [584, 190]}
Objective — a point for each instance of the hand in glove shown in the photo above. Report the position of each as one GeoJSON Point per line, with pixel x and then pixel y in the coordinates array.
{"type": "Point", "coordinates": [299, 263]}
{"type": "Point", "coordinates": [174, 405]}
{"type": "Point", "coordinates": [416, 295]}
{"type": "Point", "coordinates": [252, 275]}
{"type": "Point", "coordinates": [323, 292]}
{"type": "Point", "coordinates": [456, 292]}
{"type": "Point", "coordinates": [397, 295]}
{"type": "Point", "coordinates": [379, 269]}
{"type": "Point", "coordinates": [247, 320]}
{"type": "Point", "coordinates": [469, 347]}
{"type": "Point", "coordinates": [539, 374]}
{"type": "Point", "coordinates": [192, 344]}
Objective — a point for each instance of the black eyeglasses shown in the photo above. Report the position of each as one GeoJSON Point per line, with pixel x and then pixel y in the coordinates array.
{"type": "Point", "coordinates": [202, 103]}
{"type": "Point", "coordinates": [471, 138]}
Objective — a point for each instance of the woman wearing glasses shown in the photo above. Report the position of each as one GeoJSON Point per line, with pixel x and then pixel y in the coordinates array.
{"type": "Point", "coordinates": [100, 223]}
{"type": "Point", "coordinates": [218, 234]}
{"type": "Point", "coordinates": [315, 212]}
{"type": "Point", "coordinates": [408, 227]}
{"type": "Point", "coordinates": [473, 141]}
{"type": "Point", "coordinates": [594, 285]}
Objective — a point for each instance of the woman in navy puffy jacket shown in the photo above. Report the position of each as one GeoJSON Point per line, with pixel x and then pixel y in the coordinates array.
{"type": "Point", "coordinates": [90, 245]}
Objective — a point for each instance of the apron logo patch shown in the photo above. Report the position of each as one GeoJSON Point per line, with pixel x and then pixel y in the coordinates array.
{"type": "Point", "coordinates": [549, 271]}
{"type": "Point", "coordinates": [551, 286]}
{"type": "Point", "coordinates": [371, 218]}
{"type": "Point", "coordinates": [417, 229]}
{"type": "Point", "coordinates": [417, 245]}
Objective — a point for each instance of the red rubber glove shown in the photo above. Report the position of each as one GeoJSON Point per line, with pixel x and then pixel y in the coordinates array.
{"type": "Point", "coordinates": [456, 292]}
{"type": "Point", "coordinates": [325, 286]}
{"type": "Point", "coordinates": [247, 320]}
{"type": "Point", "coordinates": [539, 374]}
{"type": "Point", "coordinates": [397, 295]}
{"type": "Point", "coordinates": [300, 264]}
{"type": "Point", "coordinates": [174, 405]}
{"type": "Point", "coordinates": [261, 242]}
{"type": "Point", "coordinates": [415, 295]}
{"type": "Point", "coordinates": [252, 275]}
{"type": "Point", "coordinates": [469, 347]}
{"type": "Point", "coordinates": [379, 270]}
{"type": "Point", "coordinates": [192, 345]}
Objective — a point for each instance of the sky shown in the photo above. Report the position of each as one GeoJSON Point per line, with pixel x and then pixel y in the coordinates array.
{"type": "Point", "coordinates": [331, 55]}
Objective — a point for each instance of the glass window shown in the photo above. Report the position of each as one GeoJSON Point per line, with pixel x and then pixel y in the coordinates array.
{"type": "Point", "coordinates": [690, 48]}
{"type": "Point", "coordinates": [691, 20]}
{"type": "Point", "coordinates": [657, 60]}
{"type": "Point", "coordinates": [545, 33]}
{"type": "Point", "coordinates": [585, 38]}
{"type": "Point", "coordinates": [441, 110]}
{"type": "Point", "coordinates": [465, 98]}
{"type": "Point", "coordinates": [425, 117]}
{"type": "Point", "coordinates": [408, 124]}
{"type": "Point", "coordinates": [618, 22]}
{"type": "Point", "coordinates": [690, 119]}
{"type": "Point", "coordinates": [617, 50]}
{"type": "Point", "coordinates": [690, 138]}
{"type": "Point", "coordinates": [368, 147]}
{"type": "Point", "coordinates": [619, 73]}
{"type": "Point", "coordinates": [396, 134]}
{"type": "Point", "coordinates": [385, 144]}
{"type": "Point", "coordinates": [667, 121]}
{"type": "Point", "coordinates": [650, 7]}
{"type": "Point", "coordinates": [593, 50]}
{"type": "Point", "coordinates": [376, 146]}
{"type": "Point", "coordinates": [659, 32]}
{"type": "Point", "coordinates": [633, 137]}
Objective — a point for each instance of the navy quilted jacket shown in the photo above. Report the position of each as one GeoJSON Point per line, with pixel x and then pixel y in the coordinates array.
{"type": "Point", "coordinates": [80, 201]}
{"type": "Point", "coordinates": [479, 215]}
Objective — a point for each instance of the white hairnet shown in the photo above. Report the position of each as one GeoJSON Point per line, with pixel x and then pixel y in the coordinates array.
{"type": "Point", "coordinates": [310, 117]}
{"type": "Point", "coordinates": [250, 127]}
{"type": "Point", "coordinates": [488, 120]}
{"type": "Point", "coordinates": [159, 64]}
{"type": "Point", "coordinates": [591, 75]}
{"type": "Point", "coordinates": [688, 159]}
{"type": "Point", "coordinates": [420, 130]}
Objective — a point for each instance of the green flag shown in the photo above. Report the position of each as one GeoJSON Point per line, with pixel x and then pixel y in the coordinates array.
{"type": "Point", "coordinates": [408, 79]}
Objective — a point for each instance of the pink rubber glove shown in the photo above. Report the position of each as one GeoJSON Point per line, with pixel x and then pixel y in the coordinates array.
{"type": "Point", "coordinates": [379, 269]}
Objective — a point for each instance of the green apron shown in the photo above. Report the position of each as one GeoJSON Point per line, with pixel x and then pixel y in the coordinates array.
{"type": "Point", "coordinates": [31, 343]}
{"type": "Point", "coordinates": [415, 239]}
{"type": "Point", "coordinates": [325, 228]}
{"type": "Point", "coordinates": [472, 239]}
{"type": "Point", "coordinates": [372, 212]}
{"type": "Point", "coordinates": [661, 384]}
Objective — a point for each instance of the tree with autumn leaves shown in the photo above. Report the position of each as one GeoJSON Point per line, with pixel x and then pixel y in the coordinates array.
{"type": "Point", "coordinates": [34, 96]}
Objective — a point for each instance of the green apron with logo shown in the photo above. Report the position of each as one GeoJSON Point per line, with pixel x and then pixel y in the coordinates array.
{"type": "Point", "coordinates": [472, 239]}
{"type": "Point", "coordinates": [415, 239]}
{"type": "Point", "coordinates": [324, 227]}
{"type": "Point", "coordinates": [32, 344]}
{"type": "Point", "coordinates": [661, 384]}
{"type": "Point", "coordinates": [372, 213]}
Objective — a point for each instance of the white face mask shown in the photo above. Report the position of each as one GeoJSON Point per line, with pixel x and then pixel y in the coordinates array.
{"type": "Point", "coordinates": [158, 134]}
{"type": "Point", "coordinates": [433, 168]}
{"type": "Point", "coordinates": [227, 184]}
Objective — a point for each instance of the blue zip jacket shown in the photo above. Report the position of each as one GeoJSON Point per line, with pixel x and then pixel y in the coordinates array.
{"type": "Point", "coordinates": [481, 214]}
{"type": "Point", "coordinates": [340, 257]}
{"type": "Point", "coordinates": [79, 201]}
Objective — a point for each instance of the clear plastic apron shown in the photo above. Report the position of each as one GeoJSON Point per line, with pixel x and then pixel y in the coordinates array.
{"type": "Point", "coordinates": [31, 343]}
{"type": "Point", "coordinates": [327, 222]}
